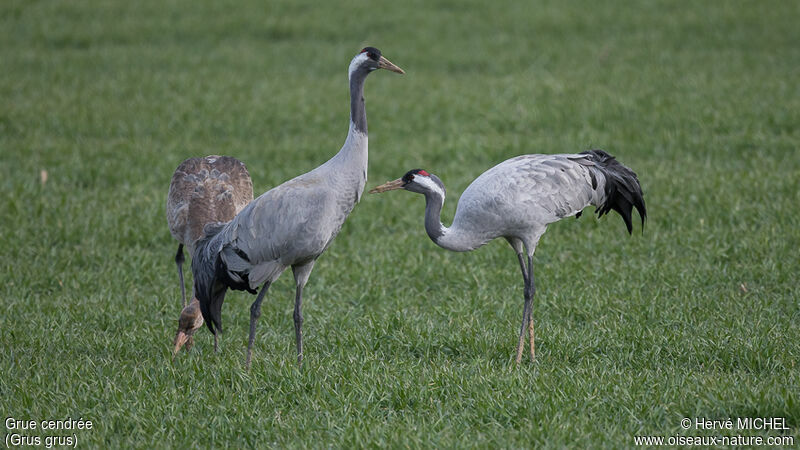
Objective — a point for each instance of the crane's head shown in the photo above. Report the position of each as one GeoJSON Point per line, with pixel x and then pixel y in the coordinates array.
{"type": "Point", "coordinates": [370, 59]}
{"type": "Point", "coordinates": [417, 180]}
{"type": "Point", "coordinates": [190, 321]}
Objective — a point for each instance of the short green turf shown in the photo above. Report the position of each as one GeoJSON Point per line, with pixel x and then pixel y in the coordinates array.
{"type": "Point", "coordinates": [406, 344]}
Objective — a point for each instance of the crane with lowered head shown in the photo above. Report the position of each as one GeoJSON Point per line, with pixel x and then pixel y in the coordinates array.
{"type": "Point", "coordinates": [202, 191]}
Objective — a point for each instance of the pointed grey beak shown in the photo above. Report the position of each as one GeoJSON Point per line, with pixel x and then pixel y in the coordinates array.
{"type": "Point", "coordinates": [388, 186]}
{"type": "Point", "coordinates": [384, 63]}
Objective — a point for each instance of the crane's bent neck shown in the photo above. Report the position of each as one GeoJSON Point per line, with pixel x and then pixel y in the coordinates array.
{"type": "Point", "coordinates": [433, 216]}
{"type": "Point", "coordinates": [452, 238]}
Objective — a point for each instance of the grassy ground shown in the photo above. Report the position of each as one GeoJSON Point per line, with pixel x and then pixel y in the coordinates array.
{"type": "Point", "coordinates": [406, 344]}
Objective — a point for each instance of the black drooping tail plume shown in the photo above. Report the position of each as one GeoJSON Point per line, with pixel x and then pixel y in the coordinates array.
{"type": "Point", "coordinates": [212, 277]}
{"type": "Point", "coordinates": [622, 189]}
{"type": "Point", "coordinates": [208, 288]}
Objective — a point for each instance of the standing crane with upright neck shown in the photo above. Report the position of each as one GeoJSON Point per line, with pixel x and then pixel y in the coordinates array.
{"type": "Point", "coordinates": [290, 225]}
{"type": "Point", "coordinates": [518, 198]}
{"type": "Point", "coordinates": [202, 191]}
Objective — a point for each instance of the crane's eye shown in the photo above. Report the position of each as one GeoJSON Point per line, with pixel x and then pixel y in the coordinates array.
{"type": "Point", "coordinates": [372, 53]}
{"type": "Point", "coordinates": [409, 176]}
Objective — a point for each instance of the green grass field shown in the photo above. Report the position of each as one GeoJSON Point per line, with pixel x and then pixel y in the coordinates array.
{"type": "Point", "coordinates": [406, 344]}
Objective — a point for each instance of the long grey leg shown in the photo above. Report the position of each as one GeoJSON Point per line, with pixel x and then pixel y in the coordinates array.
{"type": "Point", "coordinates": [298, 323]}
{"type": "Point", "coordinates": [526, 311]}
{"type": "Point", "coordinates": [179, 262]}
{"type": "Point", "coordinates": [522, 267]}
{"type": "Point", "coordinates": [255, 313]}
{"type": "Point", "coordinates": [530, 316]}
{"type": "Point", "coordinates": [526, 314]}
{"type": "Point", "coordinates": [301, 274]}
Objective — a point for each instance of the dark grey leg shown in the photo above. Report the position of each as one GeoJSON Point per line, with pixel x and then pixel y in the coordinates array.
{"type": "Point", "coordinates": [532, 283]}
{"type": "Point", "coordinates": [298, 323]}
{"type": "Point", "coordinates": [526, 314]}
{"type": "Point", "coordinates": [179, 262]}
{"type": "Point", "coordinates": [526, 311]}
{"type": "Point", "coordinates": [301, 274]}
{"type": "Point", "coordinates": [522, 267]}
{"type": "Point", "coordinates": [255, 313]}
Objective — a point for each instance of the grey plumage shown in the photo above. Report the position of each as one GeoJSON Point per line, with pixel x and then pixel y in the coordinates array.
{"type": "Point", "coordinates": [519, 197]}
{"type": "Point", "coordinates": [290, 225]}
{"type": "Point", "coordinates": [202, 191]}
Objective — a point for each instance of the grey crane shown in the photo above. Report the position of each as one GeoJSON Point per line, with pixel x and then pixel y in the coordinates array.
{"type": "Point", "coordinates": [518, 198]}
{"type": "Point", "coordinates": [202, 191]}
{"type": "Point", "coordinates": [290, 225]}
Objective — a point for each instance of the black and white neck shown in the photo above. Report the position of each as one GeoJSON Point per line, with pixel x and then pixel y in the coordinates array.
{"type": "Point", "coordinates": [359, 68]}
{"type": "Point", "coordinates": [451, 238]}
{"type": "Point", "coordinates": [353, 154]}
{"type": "Point", "coordinates": [367, 60]}
{"type": "Point", "coordinates": [351, 161]}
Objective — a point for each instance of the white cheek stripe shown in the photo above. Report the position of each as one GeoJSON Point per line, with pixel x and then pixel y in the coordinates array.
{"type": "Point", "coordinates": [429, 184]}
{"type": "Point", "coordinates": [357, 61]}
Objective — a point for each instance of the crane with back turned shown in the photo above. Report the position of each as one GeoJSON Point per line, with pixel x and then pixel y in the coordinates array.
{"type": "Point", "coordinates": [518, 198]}
{"type": "Point", "coordinates": [290, 225]}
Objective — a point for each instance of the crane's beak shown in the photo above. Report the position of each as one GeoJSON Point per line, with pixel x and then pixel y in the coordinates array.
{"type": "Point", "coordinates": [191, 320]}
{"type": "Point", "coordinates": [388, 186]}
{"type": "Point", "coordinates": [181, 338]}
{"type": "Point", "coordinates": [384, 63]}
